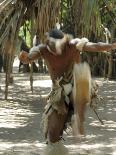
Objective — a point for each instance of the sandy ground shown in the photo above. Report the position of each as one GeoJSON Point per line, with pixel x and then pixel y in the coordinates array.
{"type": "Point", "coordinates": [20, 119]}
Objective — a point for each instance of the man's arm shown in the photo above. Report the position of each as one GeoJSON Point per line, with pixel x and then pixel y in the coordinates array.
{"type": "Point", "coordinates": [98, 47]}
{"type": "Point", "coordinates": [83, 44]}
{"type": "Point", "coordinates": [34, 53]}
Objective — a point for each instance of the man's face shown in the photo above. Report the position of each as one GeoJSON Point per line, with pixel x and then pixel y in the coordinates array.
{"type": "Point", "coordinates": [52, 44]}
{"type": "Point", "coordinates": [55, 45]}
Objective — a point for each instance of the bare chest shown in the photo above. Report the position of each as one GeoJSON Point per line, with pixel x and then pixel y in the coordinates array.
{"type": "Point", "coordinates": [59, 64]}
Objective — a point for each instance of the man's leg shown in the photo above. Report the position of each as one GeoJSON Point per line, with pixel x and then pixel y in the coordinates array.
{"type": "Point", "coordinates": [55, 129]}
{"type": "Point", "coordinates": [55, 126]}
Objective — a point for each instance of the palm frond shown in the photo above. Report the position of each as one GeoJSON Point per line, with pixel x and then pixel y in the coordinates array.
{"type": "Point", "coordinates": [42, 13]}
{"type": "Point", "coordinates": [89, 17]}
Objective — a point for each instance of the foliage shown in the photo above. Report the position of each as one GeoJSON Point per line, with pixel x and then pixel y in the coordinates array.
{"type": "Point", "coordinates": [81, 18]}
{"type": "Point", "coordinates": [16, 13]}
{"type": "Point", "coordinates": [85, 17]}
{"type": "Point", "coordinates": [24, 33]}
{"type": "Point", "coordinates": [88, 18]}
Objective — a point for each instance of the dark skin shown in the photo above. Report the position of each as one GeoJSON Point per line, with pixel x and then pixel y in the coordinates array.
{"type": "Point", "coordinates": [57, 65]}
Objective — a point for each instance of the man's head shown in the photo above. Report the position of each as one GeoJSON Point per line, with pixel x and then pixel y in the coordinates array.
{"type": "Point", "coordinates": [55, 40]}
{"type": "Point", "coordinates": [55, 34]}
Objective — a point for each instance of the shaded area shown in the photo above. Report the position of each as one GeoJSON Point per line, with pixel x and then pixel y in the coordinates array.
{"type": "Point", "coordinates": [100, 139]}
{"type": "Point", "coordinates": [20, 119]}
{"type": "Point", "coordinates": [20, 115]}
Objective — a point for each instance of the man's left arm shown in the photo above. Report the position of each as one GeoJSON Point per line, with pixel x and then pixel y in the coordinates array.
{"type": "Point", "coordinates": [98, 47]}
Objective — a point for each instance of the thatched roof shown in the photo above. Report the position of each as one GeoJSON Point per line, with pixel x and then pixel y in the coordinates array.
{"type": "Point", "coordinates": [43, 15]}
{"type": "Point", "coordinates": [82, 17]}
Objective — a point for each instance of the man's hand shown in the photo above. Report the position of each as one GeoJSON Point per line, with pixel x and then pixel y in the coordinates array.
{"type": "Point", "coordinates": [113, 46]}
{"type": "Point", "coordinates": [23, 57]}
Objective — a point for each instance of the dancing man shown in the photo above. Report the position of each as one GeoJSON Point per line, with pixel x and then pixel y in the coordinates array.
{"type": "Point", "coordinates": [71, 84]}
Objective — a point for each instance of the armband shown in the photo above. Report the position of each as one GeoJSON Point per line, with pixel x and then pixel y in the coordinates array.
{"type": "Point", "coordinates": [80, 44]}
{"type": "Point", "coordinates": [35, 49]}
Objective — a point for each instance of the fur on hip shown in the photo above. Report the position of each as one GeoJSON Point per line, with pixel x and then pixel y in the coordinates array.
{"type": "Point", "coordinates": [81, 95]}
{"type": "Point", "coordinates": [82, 83]}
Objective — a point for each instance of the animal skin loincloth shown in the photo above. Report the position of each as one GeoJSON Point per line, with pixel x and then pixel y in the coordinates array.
{"type": "Point", "coordinates": [58, 99]}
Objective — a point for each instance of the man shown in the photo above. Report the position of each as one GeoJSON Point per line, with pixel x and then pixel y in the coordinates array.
{"type": "Point", "coordinates": [71, 84]}
{"type": "Point", "coordinates": [25, 48]}
{"type": "Point", "coordinates": [26, 67]}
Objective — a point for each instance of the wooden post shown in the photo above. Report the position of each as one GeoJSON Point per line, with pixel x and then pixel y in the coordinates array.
{"type": "Point", "coordinates": [31, 70]}
{"type": "Point", "coordinates": [7, 76]}
{"type": "Point", "coordinates": [108, 55]}
{"type": "Point", "coordinates": [10, 54]}
{"type": "Point", "coordinates": [31, 77]}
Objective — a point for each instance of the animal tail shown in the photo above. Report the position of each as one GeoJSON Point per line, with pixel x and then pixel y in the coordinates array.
{"type": "Point", "coordinates": [81, 93]}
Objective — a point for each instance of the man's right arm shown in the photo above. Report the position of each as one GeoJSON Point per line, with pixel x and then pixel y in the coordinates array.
{"type": "Point", "coordinates": [34, 53]}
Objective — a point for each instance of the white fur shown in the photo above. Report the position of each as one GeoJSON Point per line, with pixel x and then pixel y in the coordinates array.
{"type": "Point", "coordinates": [67, 88]}
{"type": "Point", "coordinates": [34, 49]}
{"type": "Point", "coordinates": [75, 125]}
{"type": "Point", "coordinates": [82, 71]}
{"type": "Point", "coordinates": [58, 44]}
{"type": "Point", "coordinates": [75, 40]}
{"type": "Point", "coordinates": [79, 43]}
{"type": "Point", "coordinates": [55, 149]}
{"type": "Point", "coordinates": [81, 92]}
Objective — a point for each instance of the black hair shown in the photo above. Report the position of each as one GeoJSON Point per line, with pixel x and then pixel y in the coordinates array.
{"type": "Point", "coordinates": [56, 34]}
